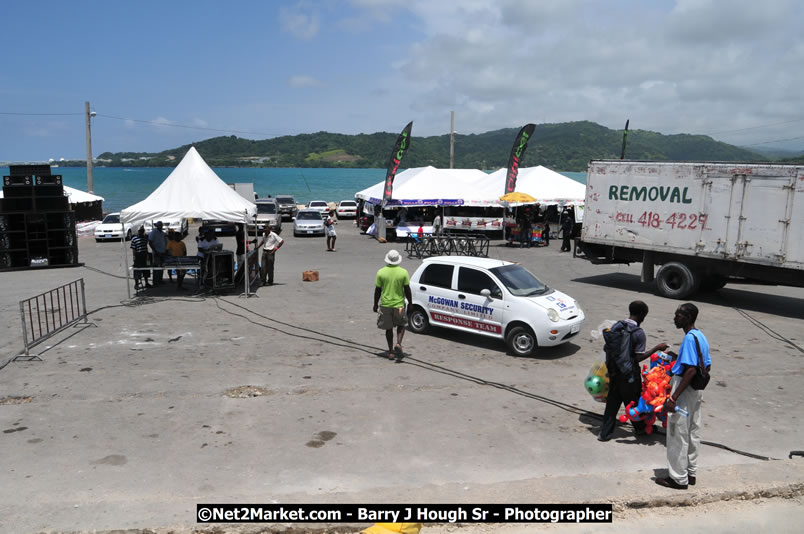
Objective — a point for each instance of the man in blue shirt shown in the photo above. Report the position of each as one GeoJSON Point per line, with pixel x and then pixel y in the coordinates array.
{"type": "Point", "coordinates": [684, 431]}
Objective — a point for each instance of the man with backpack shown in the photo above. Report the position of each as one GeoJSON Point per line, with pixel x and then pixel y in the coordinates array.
{"type": "Point", "coordinates": [625, 347]}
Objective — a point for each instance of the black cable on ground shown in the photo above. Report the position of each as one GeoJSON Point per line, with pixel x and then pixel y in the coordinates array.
{"type": "Point", "coordinates": [346, 343]}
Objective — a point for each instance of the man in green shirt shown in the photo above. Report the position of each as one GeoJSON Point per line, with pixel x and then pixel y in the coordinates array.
{"type": "Point", "coordinates": [391, 289]}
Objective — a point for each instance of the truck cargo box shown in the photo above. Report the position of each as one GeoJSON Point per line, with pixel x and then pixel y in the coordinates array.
{"type": "Point", "coordinates": [717, 218]}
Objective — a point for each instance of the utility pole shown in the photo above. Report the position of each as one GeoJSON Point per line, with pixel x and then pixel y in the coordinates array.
{"type": "Point", "coordinates": [451, 139]}
{"type": "Point", "coordinates": [90, 182]}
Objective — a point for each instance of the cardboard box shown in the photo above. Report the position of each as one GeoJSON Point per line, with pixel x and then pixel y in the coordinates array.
{"type": "Point", "coordinates": [310, 276]}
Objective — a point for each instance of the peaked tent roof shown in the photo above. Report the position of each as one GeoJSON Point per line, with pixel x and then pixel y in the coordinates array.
{"type": "Point", "coordinates": [543, 184]}
{"type": "Point", "coordinates": [428, 186]}
{"type": "Point", "coordinates": [191, 190]}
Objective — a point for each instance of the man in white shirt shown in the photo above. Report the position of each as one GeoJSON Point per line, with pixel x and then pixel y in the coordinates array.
{"type": "Point", "coordinates": [271, 244]}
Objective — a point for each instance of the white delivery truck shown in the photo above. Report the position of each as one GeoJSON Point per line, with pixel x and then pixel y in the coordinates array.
{"type": "Point", "coordinates": [704, 224]}
{"type": "Point", "coordinates": [245, 190]}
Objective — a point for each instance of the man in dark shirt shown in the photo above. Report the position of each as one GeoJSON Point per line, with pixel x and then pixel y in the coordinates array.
{"type": "Point", "coordinates": [566, 229]}
{"type": "Point", "coordinates": [158, 244]}
{"type": "Point", "coordinates": [625, 388]}
{"type": "Point", "coordinates": [139, 244]}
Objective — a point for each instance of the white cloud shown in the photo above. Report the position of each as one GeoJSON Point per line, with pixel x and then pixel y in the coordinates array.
{"type": "Point", "coordinates": [690, 66]}
{"type": "Point", "coordinates": [304, 81]}
{"type": "Point", "coordinates": [301, 20]}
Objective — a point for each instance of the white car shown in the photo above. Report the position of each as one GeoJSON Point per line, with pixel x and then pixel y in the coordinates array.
{"type": "Point", "coordinates": [177, 225]}
{"type": "Point", "coordinates": [320, 206]}
{"type": "Point", "coordinates": [308, 222]}
{"type": "Point", "coordinates": [346, 208]}
{"type": "Point", "coordinates": [111, 228]}
{"type": "Point", "coordinates": [493, 298]}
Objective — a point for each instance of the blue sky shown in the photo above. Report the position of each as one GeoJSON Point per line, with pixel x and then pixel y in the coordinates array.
{"type": "Point", "coordinates": [187, 71]}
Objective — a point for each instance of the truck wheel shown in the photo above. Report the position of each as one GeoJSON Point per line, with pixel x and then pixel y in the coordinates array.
{"type": "Point", "coordinates": [521, 341]}
{"type": "Point", "coordinates": [677, 281]}
{"type": "Point", "coordinates": [418, 321]}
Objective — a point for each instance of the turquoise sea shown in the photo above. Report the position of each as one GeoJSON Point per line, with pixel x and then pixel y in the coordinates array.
{"type": "Point", "coordinates": [121, 187]}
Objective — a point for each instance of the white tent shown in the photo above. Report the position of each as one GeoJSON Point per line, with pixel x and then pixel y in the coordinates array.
{"type": "Point", "coordinates": [191, 190]}
{"type": "Point", "coordinates": [428, 186]}
{"type": "Point", "coordinates": [543, 184]}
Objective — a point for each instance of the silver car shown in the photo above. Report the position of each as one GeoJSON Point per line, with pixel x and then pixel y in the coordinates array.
{"type": "Point", "coordinates": [308, 222]}
{"type": "Point", "coordinates": [268, 214]}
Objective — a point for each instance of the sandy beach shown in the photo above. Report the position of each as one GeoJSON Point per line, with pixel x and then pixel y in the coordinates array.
{"type": "Point", "coordinates": [173, 399]}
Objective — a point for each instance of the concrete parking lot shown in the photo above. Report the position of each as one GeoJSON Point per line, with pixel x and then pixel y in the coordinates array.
{"type": "Point", "coordinates": [173, 399]}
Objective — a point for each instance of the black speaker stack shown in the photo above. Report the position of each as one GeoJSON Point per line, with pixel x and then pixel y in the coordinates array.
{"type": "Point", "coordinates": [37, 228]}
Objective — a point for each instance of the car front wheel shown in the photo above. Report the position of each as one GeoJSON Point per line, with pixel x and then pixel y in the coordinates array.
{"type": "Point", "coordinates": [521, 341]}
{"type": "Point", "coordinates": [418, 321]}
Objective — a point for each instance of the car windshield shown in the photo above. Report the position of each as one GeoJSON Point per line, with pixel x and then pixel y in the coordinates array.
{"type": "Point", "coordinates": [285, 200]}
{"type": "Point", "coordinates": [111, 219]}
{"type": "Point", "coordinates": [348, 204]}
{"type": "Point", "coordinates": [519, 281]}
{"type": "Point", "coordinates": [266, 208]}
{"type": "Point", "coordinates": [318, 204]}
{"type": "Point", "coordinates": [309, 216]}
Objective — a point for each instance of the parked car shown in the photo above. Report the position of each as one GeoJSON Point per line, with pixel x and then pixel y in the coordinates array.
{"type": "Point", "coordinates": [267, 214]}
{"type": "Point", "coordinates": [221, 228]}
{"type": "Point", "coordinates": [346, 209]}
{"type": "Point", "coordinates": [492, 298]}
{"type": "Point", "coordinates": [111, 228]}
{"type": "Point", "coordinates": [287, 206]}
{"type": "Point", "coordinates": [308, 222]}
{"type": "Point", "coordinates": [320, 206]}
{"type": "Point", "coordinates": [177, 225]}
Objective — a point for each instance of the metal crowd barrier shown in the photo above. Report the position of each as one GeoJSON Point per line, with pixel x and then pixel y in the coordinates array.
{"type": "Point", "coordinates": [447, 245]}
{"type": "Point", "coordinates": [49, 313]}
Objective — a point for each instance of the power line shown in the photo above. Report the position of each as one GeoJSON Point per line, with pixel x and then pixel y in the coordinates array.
{"type": "Point", "coordinates": [755, 127]}
{"type": "Point", "coordinates": [158, 123]}
{"type": "Point", "coordinates": [774, 141]}
{"type": "Point", "coordinates": [38, 114]}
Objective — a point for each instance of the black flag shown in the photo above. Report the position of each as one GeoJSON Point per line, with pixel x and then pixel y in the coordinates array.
{"type": "Point", "coordinates": [402, 144]}
{"type": "Point", "coordinates": [520, 144]}
{"type": "Point", "coordinates": [625, 135]}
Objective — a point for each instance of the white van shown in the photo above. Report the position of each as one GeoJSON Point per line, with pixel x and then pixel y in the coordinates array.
{"type": "Point", "coordinates": [493, 298]}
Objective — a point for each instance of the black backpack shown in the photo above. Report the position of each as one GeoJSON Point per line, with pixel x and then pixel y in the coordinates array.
{"type": "Point", "coordinates": [619, 350]}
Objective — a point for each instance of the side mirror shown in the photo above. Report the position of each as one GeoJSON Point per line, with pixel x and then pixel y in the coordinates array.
{"type": "Point", "coordinates": [486, 293]}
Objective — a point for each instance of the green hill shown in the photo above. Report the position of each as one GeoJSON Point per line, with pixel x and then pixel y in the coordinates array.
{"type": "Point", "coordinates": [565, 146]}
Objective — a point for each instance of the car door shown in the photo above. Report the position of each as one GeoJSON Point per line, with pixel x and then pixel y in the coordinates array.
{"type": "Point", "coordinates": [433, 292]}
{"type": "Point", "coordinates": [476, 312]}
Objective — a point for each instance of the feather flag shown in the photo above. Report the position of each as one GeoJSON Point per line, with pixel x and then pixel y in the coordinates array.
{"type": "Point", "coordinates": [518, 150]}
{"type": "Point", "coordinates": [402, 144]}
{"type": "Point", "coordinates": [625, 136]}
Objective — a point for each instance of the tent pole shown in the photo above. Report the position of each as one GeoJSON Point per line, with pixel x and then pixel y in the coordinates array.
{"type": "Point", "coordinates": [125, 262]}
{"type": "Point", "coordinates": [245, 252]}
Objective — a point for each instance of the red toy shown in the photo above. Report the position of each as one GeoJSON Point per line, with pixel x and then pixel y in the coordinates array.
{"type": "Point", "coordinates": [655, 389]}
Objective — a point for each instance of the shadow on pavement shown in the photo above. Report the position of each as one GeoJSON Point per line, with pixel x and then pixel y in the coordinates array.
{"type": "Point", "coordinates": [497, 345]}
{"type": "Point", "coordinates": [753, 299]}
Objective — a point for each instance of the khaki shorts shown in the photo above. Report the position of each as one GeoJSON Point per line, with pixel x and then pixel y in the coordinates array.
{"type": "Point", "coordinates": [387, 318]}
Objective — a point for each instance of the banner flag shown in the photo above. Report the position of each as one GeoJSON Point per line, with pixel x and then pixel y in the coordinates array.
{"type": "Point", "coordinates": [402, 144]}
{"type": "Point", "coordinates": [625, 135]}
{"type": "Point", "coordinates": [518, 150]}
